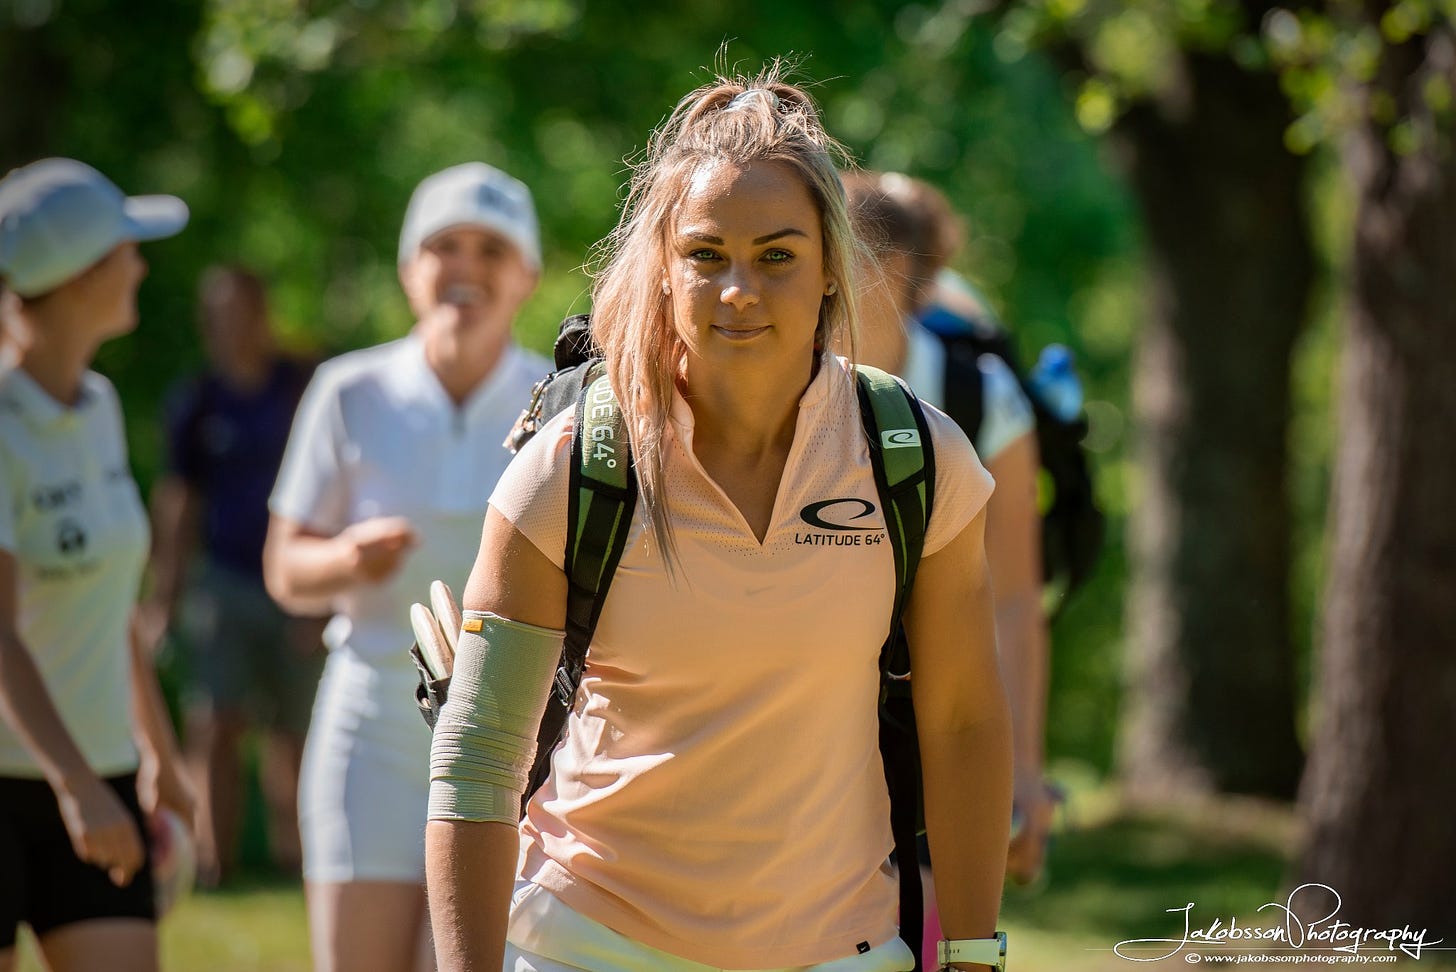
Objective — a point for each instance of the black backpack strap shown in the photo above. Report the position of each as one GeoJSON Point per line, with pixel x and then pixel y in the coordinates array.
{"type": "Point", "coordinates": [900, 753]}
{"type": "Point", "coordinates": [965, 389]}
{"type": "Point", "coordinates": [903, 458]}
{"type": "Point", "coordinates": [602, 496]}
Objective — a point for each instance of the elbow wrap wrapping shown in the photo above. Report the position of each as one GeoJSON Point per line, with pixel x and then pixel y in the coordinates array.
{"type": "Point", "coordinates": [485, 740]}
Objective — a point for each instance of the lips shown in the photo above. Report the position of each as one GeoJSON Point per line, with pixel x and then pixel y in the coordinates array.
{"type": "Point", "coordinates": [462, 295]}
{"type": "Point", "coordinates": [739, 332]}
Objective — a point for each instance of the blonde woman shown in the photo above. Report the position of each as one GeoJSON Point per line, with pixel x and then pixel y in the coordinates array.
{"type": "Point", "coordinates": [719, 801]}
{"type": "Point", "coordinates": [87, 754]}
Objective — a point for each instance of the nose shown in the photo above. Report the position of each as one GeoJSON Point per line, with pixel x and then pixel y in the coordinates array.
{"type": "Point", "coordinates": [739, 293]}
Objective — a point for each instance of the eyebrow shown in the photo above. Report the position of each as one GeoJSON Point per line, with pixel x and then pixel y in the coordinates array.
{"type": "Point", "coordinates": [718, 241]}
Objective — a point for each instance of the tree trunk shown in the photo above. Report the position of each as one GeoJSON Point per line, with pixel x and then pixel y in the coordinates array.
{"type": "Point", "coordinates": [1211, 696]}
{"type": "Point", "coordinates": [1379, 793]}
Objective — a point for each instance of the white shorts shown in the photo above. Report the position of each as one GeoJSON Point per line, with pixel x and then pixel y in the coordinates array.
{"type": "Point", "coordinates": [545, 935]}
{"type": "Point", "coordinates": [365, 782]}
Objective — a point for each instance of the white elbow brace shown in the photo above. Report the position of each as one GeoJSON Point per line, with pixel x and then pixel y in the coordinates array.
{"type": "Point", "coordinates": [485, 740]}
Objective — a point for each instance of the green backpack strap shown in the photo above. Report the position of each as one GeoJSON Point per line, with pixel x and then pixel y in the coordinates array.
{"type": "Point", "coordinates": [904, 464]}
{"type": "Point", "coordinates": [903, 458]}
{"type": "Point", "coordinates": [602, 496]}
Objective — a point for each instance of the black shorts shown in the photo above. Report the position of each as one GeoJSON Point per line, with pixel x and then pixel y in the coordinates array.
{"type": "Point", "coordinates": [42, 881]}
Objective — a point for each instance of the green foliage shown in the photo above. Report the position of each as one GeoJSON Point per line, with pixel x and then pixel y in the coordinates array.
{"type": "Point", "coordinates": [1127, 51]}
{"type": "Point", "coordinates": [1326, 54]}
{"type": "Point", "coordinates": [296, 132]}
{"type": "Point", "coordinates": [1330, 64]}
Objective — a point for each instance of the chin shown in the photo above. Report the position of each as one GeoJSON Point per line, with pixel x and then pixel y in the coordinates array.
{"type": "Point", "coordinates": [125, 323]}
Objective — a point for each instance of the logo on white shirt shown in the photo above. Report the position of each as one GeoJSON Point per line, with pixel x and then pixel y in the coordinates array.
{"type": "Point", "coordinates": [70, 537]}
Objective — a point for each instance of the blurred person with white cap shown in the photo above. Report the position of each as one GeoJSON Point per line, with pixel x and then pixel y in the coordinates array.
{"type": "Point", "coordinates": [393, 455]}
{"type": "Point", "coordinates": [88, 758]}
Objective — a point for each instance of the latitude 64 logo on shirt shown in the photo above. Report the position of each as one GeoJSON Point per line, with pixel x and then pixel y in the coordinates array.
{"type": "Point", "coordinates": [900, 439]}
{"type": "Point", "coordinates": [836, 515]}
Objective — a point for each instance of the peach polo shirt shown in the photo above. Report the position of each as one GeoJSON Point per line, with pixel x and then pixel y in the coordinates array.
{"type": "Point", "coordinates": [719, 794]}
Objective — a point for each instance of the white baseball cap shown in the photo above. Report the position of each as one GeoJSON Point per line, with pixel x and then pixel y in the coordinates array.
{"type": "Point", "coordinates": [60, 216]}
{"type": "Point", "coordinates": [472, 194]}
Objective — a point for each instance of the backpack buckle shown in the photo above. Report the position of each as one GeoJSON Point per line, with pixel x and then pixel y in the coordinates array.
{"type": "Point", "coordinates": [565, 691]}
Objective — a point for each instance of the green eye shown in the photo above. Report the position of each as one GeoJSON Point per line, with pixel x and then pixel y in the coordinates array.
{"type": "Point", "coordinates": [702, 255]}
{"type": "Point", "coordinates": [778, 256]}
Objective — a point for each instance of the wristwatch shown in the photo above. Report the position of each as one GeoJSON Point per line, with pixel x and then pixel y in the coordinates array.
{"type": "Point", "coordinates": [980, 951]}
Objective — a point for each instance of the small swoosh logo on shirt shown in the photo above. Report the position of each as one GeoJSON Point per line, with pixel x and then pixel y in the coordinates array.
{"type": "Point", "coordinates": [814, 513]}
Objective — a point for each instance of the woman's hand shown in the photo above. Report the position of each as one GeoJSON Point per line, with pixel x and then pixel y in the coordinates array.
{"type": "Point", "coordinates": [162, 784]}
{"type": "Point", "coordinates": [1035, 808]}
{"type": "Point", "coordinates": [377, 546]}
{"type": "Point", "coordinates": [102, 832]}
{"type": "Point", "coordinates": [305, 570]}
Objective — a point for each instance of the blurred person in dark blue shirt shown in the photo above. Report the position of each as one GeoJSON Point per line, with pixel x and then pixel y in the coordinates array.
{"type": "Point", "coordinates": [246, 662]}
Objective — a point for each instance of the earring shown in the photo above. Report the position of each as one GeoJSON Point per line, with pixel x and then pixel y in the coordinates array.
{"type": "Point", "coordinates": [666, 289]}
{"type": "Point", "coordinates": [831, 289]}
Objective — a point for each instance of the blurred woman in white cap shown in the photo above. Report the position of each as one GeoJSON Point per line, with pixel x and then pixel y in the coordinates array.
{"type": "Point", "coordinates": [87, 754]}
{"type": "Point", "coordinates": [393, 455]}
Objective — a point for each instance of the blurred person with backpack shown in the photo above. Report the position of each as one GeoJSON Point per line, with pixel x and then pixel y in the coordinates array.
{"type": "Point", "coordinates": [392, 457]}
{"type": "Point", "coordinates": [913, 233]}
{"type": "Point", "coordinates": [246, 661]}
{"type": "Point", "coordinates": [88, 760]}
{"type": "Point", "coordinates": [718, 798]}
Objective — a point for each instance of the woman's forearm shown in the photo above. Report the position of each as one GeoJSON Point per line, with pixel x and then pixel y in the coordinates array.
{"type": "Point", "coordinates": [155, 736]}
{"type": "Point", "coordinates": [1022, 638]}
{"type": "Point", "coordinates": [469, 868]}
{"type": "Point", "coordinates": [304, 572]}
{"type": "Point", "coordinates": [175, 512]}
{"type": "Point", "coordinates": [28, 709]}
{"type": "Point", "coordinates": [1013, 550]}
{"type": "Point", "coordinates": [967, 787]}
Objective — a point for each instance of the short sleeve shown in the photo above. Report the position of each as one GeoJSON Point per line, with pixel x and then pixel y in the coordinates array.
{"type": "Point", "coordinates": [532, 493]}
{"type": "Point", "coordinates": [311, 488]}
{"type": "Point", "coordinates": [962, 484]}
{"type": "Point", "coordinates": [1006, 409]}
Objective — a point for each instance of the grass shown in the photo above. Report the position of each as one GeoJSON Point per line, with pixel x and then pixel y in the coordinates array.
{"type": "Point", "coordinates": [1113, 873]}
{"type": "Point", "coordinates": [255, 924]}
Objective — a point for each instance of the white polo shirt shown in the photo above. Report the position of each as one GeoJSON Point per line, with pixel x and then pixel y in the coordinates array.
{"type": "Point", "coordinates": [72, 518]}
{"type": "Point", "coordinates": [1006, 413]}
{"type": "Point", "coordinates": [377, 435]}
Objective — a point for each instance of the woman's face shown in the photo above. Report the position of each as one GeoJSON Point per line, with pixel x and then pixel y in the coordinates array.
{"type": "Point", "coordinates": [745, 264]}
{"type": "Point", "coordinates": [465, 285]}
{"type": "Point", "coordinates": [106, 293]}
